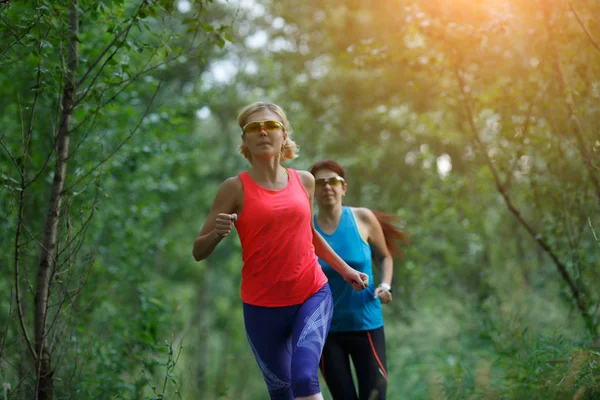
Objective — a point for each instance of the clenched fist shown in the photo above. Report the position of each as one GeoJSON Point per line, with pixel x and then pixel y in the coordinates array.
{"type": "Point", "coordinates": [224, 223]}
{"type": "Point", "coordinates": [384, 295]}
{"type": "Point", "coordinates": [358, 280]}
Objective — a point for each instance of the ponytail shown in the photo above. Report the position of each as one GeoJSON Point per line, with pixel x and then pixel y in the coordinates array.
{"type": "Point", "coordinates": [391, 232]}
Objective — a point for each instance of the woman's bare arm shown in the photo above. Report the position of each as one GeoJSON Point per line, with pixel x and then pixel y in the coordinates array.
{"type": "Point", "coordinates": [377, 239]}
{"type": "Point", "coordinates": [220, 219]}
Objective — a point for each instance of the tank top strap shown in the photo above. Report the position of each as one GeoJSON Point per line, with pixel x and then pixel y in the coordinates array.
{"type": "Point", "coordinates": [293, 175]}
{"type": "Point", "coordinates": [351, 223]}
{"type": "Point", "coordinates": [246, 180]}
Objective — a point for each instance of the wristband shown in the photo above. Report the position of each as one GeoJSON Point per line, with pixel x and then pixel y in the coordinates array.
{"type": "Point", "coordinates": [385, 286]}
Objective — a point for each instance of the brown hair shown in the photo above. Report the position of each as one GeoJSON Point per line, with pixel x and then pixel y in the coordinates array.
{"type": "Point", "coordinates": [392, 234]}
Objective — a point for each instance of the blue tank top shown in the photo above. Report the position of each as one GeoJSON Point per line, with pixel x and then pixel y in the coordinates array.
{"type": "Point", "coordinates": [352, 310]}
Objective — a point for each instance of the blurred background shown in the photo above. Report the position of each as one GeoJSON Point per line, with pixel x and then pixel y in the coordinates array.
{"type": "Point", "coordinates": [477, 122]}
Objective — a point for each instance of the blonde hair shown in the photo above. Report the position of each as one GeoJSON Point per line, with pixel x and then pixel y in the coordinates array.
{"type": "Point", "coordinates": [289, 149]}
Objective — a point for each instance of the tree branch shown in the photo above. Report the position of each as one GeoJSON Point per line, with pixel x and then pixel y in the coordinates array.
{"type": "Point", "coordinates": [124, 84]}
{"type": "Point", "coordinates": [107, 48]}
{"type": "Point", "coordinates": [72, 250]}
{"type": "Point", "coordinates": [128, 82]}
{"type": "Point", "coordinates": [562, 269]}
{"type": "Point", "coordinates": [17, 273]}
{"type": "Point", "coordinates": [120, 145]}
{"type": "Point", "coordinates": [21, 201]}
{"type": "Point", "coordinates": [577, 130]}
{"type": "Point", "coordinates": [27, 137]}
{"type": "Point", "coordinates": [12, 158]}
{"type": "Point", "coordinates": [19, 38]}
{"type": "Point", "coordinates": [593, 231]}
{"type": "Point", "coordinates": [5, 334]}
{"type": "Point", "coordinates": [56, 118]}
{"type": "Point", "coordinates": [585, 29]}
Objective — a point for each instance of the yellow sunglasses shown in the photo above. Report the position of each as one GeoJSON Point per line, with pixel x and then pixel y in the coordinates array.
{"type": "Point", "coordinates": [333, 181]}
{"type": "Point", "coordinates": [256, 127]}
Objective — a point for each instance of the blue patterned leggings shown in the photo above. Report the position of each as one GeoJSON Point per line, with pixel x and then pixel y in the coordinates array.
{"type": "Point", "coordinates": [287, 343]}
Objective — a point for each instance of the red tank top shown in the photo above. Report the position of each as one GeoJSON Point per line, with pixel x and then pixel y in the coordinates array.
{"type": "Point", "coordinates": [280, 264]}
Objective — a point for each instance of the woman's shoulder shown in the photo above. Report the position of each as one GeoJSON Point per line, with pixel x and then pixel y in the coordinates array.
{"type": "Point", "coordinates": [232, 185]}
{"type": "Point", "coordinates": [363, 214]}
{"type": "Point", "coordinates": [307, 179]}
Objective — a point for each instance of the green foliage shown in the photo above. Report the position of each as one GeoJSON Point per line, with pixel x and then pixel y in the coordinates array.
{"type": "Point", "coordinates": [391, 91]}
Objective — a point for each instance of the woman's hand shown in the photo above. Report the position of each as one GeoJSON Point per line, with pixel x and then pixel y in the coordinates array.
{"type": "Point", "coordinates": [385, 296]}
{"type": "Point", "coordinates": [358, 280]}
{"type": "Point", "coordinates": [224, 223]}
{"type": "Point", "coordinates": [220, 219]}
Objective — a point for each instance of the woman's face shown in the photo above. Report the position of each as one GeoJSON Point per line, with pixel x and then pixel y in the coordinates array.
{"type": "Point", "coordinates": [264, 140]}
{"type": "Point", "coordinates": [329, 188]}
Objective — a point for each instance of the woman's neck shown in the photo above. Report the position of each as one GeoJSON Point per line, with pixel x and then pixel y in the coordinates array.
{"type": "Point", "coordinates": [267, 170]}
{"type": "Point", "coordinates": [329, 216]}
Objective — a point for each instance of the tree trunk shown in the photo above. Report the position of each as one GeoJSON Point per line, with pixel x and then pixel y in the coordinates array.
{"type": "Point", "coordinates": [44, 381]}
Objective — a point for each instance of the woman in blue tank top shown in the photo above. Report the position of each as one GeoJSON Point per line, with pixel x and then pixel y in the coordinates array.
{"type": "Point", "coordinates": [357, 326]}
